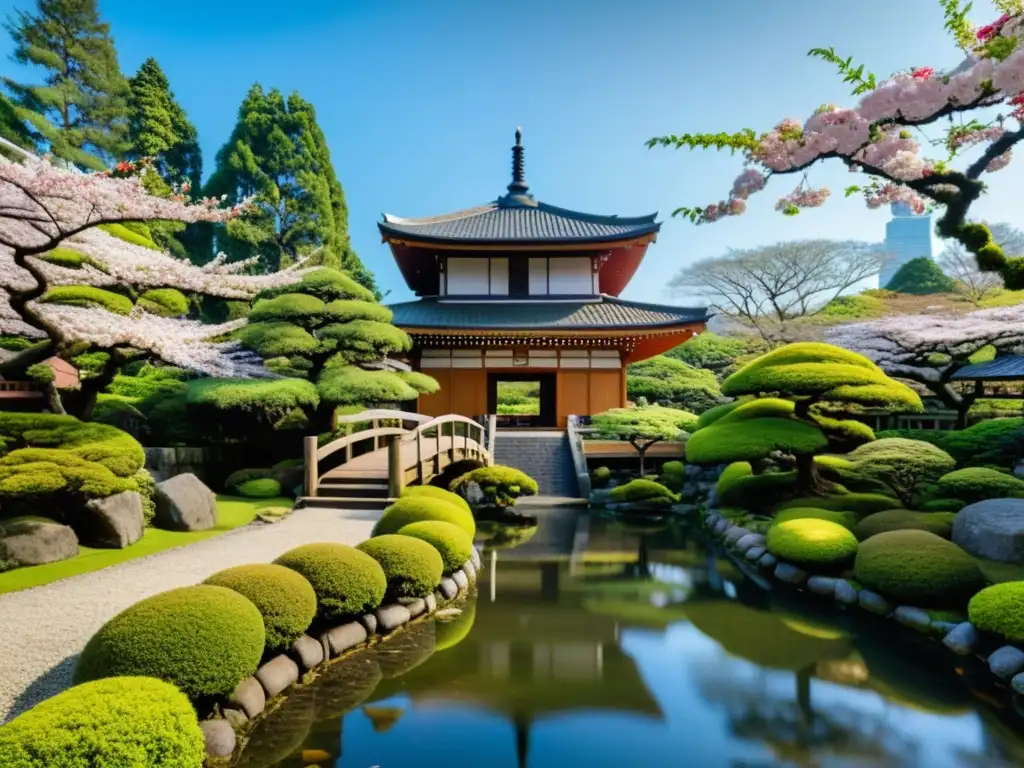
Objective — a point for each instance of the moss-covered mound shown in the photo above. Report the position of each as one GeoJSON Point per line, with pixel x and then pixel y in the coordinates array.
{"type": "Point", "coordinates": [347, 582]}
{"type": "Point", "coordinates": [120, 722]}
{"type": "Point", "coordinates": [433, 492]}
{"type": "Point", "coordinates": [601, 476]}
{"type": "Point", "coordinates": [284, 597]}
{"type": "Point", "coordinates": [204, 639]}
{"type": "Point", "coordinates": [943, 505]}
{"type": "Point", "coordinates": [979, 483]}
{"type": "Point", "coordinates": [413, 509]}
{"type": "Point", "coordinates": [902, 464]}
{"type": "Point", "coordinates": [845, 519]}
{"type": "Point", "coordinates": [725, 442]}
{"type": "Point", "coordinates": [1000, 609]}
{"type": "Point", "coordinates": [640, 490]}
{"type": "Point", "coordinates": [260, 488]}
{"type": "Point", "coordinates": [501, 485]}
{"type": "Point", "coordinates": [812, 543]}
{"type": "Point", "coordinates": [760, 493]}
{"type": "Point", "coordinates": [858, 503]}
{"type": "Point", "coordinates": [451, 542]}
{"type": "Point", "coordinates": [732, 473]}
{"type": "Point", "coordinates": [918, 568]}
{"type": "Point", "coordinates": [673, 475]}
{"type": "Point", "coordinates": [412, 566]}
{"type": "Point", "coordinates": [939, 523]}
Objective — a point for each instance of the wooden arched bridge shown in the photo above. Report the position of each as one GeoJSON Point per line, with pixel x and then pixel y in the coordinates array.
{"type": "Point", "coordinates": [387, 450]}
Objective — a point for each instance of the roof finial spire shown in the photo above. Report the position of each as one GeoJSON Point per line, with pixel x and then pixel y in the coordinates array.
{"type": "Point", "coordinates": [518, 185]}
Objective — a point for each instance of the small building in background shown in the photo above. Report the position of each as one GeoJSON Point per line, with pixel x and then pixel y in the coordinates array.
{"type": "Point", "coordinates": [27, 395]}
{"type": "Point", "coordinates": [908, 236]}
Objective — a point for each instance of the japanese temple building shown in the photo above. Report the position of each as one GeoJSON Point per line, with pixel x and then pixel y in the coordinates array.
{"type": "Point", "coordinates": [519, 290]}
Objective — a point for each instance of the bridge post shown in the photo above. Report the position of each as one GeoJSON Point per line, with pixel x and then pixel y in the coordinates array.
{"type": "Point", "coordinates": [492, 430]}
{"type": "Point", "coordinates": [396, 472]}
{"type": "Point", "coordinates": [309, 447]}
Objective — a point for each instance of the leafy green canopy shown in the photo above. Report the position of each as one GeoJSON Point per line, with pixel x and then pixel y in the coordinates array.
{"type": "Point", "coordinates": [901, 464]}
{"type": "Point", "coordinates": [753, 439]}
{"type": "Point", "coordinates": [921, 277]}
{"type": "Point", "coordinates": [664, 379]}
{"type": "Point", "coordinates": [159, 128]}
{"type": "Point", "coordinates": [712, 352]}
{"type": "Point", "coordinates": [646, 423]}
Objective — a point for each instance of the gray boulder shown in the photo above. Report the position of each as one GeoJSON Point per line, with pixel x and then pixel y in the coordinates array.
{"type": "Point", "coordinates": [277, 674]}
{"type": "Point", "coordinates": [219, 737]}
{"type": "Point", "coordinates": [391, 617]}
{"type": "Point", "coordinates": [992, 529]}
{"type": "Point", "coordinates": [874, 602]}
{"type": "Point", "coordinates": [962, 639]}
{"type": "Point", "coordinates": [914, 618]}
{"type": "Point", "coordinates": [844, 593]}
{"type": "Point", "coordinates": [461, 579]}
{"type": "Point", "coordinates": [754, 554]}
{"type": "Point", "coordinates": [309, 651]}
{"type": "Point", "coordinates": [31, 542]}
{"type": "Point", "coordinates": [346, 636]}
{"type": "Point", "coordinates": [415, 605]}
{"type": "Point", "coordinates": [1006, 662]}
{"type": "Point", "coordinates": [184, 503]}
{"type": "Point", "coordinates": [249, 697]}
{"type": "Point", "coordinates": [822, 585]}
{"type": "Point", "coordinates": [790, 574]}
{"type": "Point", "coordinates": [116, 521]}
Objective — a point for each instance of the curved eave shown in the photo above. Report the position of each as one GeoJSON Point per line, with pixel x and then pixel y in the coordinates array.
{"type": "Point", "coordinates": [640, 236]}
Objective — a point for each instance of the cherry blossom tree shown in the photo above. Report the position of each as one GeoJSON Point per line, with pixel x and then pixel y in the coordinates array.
{"type": "Point", "coordinates": [70, 285]}
{"type": "Point", "coordinates": [876, 137]}
{"type": "Point", "coordinates": [929, 349]}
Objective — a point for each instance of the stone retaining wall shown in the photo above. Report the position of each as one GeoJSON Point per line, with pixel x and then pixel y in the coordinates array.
{"type": "Point", "coordinates": [309, 656]}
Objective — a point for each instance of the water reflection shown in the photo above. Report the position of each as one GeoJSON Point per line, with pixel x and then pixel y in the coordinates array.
{"type": "Point", "coordinates": [594, 643]}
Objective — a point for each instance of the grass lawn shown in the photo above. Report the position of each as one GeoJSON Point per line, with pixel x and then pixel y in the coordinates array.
{"type": "Point", "coordinates": [232, 512]}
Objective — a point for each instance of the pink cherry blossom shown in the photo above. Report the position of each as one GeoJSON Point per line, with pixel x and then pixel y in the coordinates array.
{"type": "Point", "coordinates": [747, 183]}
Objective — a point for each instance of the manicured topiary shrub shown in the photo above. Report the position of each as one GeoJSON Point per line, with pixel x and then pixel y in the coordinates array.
{"type": "Point", "coordinates": [452, 543]}
{"type": "Point", "coordinates": [601, 476]}
{"type": "Point", "coordinates": [239, 476]}
{"type": "Point", "coordinates": [758, 493]}
{"type": "Point", "coordinates": [817, 544]}
{"type": "Point", "coordinates": [284, 598]}
{"type": "Point", "coordinates": [977, 484]}
{"type": "Point", "coordinates": [943, 505]}
{"type": "Point", "coordinates": [845, 519]}
{"type": "Point", "coordinates": [727, 441]}
{"type": "Point", "coordinates": [204, 639]}
{"type": "Point", "coordinates": [1000, 609]}
{"type": "Point", "coordinates": [918, 568]}
{"type": "Point", "coordinates": [120, 722]}
{"type": "Point", "coordinates": [166, 302]}
{"type": "Point", "coordinates": [413, 567]}
{"type": "Point", "coordinates": [731, 474]}
{"type": "Point", "coordinates": [939, 523]}
{"type": "Point", "coordinates": [903, 465]}
{"type": "Point", "coordinates": [673, 475]}
{"type": "Point", "coordinates": [847, 474]}
{"type": "Point", "coordinates": [711, 415]}
{"type": "Point", "coordinates": [347, 582]}
{"type": "Point", "coordinates": [642, 491]}
{"type": "Point", "coordinates": [501, 485]}
{"type": "Point", "coordinates": [88, 296]}
{"type": "Point", "coordinates": [858, 503]}
{"type": "Point", "coordinates": [413, 509]}
{"type": "Point", "coordinates": [262, 488]}
{"type": "Point", "coordinates": [433, 492]}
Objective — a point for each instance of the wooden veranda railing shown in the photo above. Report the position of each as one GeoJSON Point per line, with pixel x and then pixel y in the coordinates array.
{"type": "Point", "coordinates": [383, 446]}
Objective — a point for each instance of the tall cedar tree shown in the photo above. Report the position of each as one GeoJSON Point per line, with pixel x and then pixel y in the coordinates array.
{"type": "Point", "coordinates": [278, 155]}
{"type": "Point", "coordinates": [80, 110]}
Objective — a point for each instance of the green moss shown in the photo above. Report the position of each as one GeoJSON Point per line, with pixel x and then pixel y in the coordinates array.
{"type": "Point", "coordinates": [290, 308]}
{"type": "Point", "coordinates": [433, 492]}
{"type": "Point", "coordinates": [508, 483]}
{"type": "Point", "coordinates": [365, 338]}
{"type": "Point", "coordinates": [326, 284]}
{"type": "Point", "coordinates": [641, 490]}
{"type": "Point", "coordinates": [351, 385]}
{"type": "Point", "coordinates": [68, 258]}
{"type": "Point", "coordinates": [918, 568]}
{"type": "Point", "coordinates": [260, 488]}
{"type": "Point", "coordinates": [121, 722]}
{"type": "Point", "coordinates": [276, 339]}
{"type": "Point", "coordinates": [856, 307]}
{"type": "Point", "coordinates": [732, 473]}
{"type": "Point", "coordinates": [943, 505]}
{"type": "Point", "coordinates": [939, 523]}
{"type": "Point", "coordinates": [760, 408]}
{"type": "Point", "coordinates": [711, 415]}
{"type": "Point", "coordinates": [413, 567]}
{"type": "Point", "coordinates": [346, 310]}
{"type": "Point", "coordinates": [415, 508]}
{"type": "Point", "coordinates": [755, 439]}
{"type": "Point", "coordinates": [122, 232]}
{"type": "Point", "coordinates": [978, 483]}
{"type": "Point", "coordinates": [673, 475]}
{"type": "Point", "coordinates": [203, 639]}
{"type": "Point", "coordinates": [453, 544]}
{"type": "Point", "coordinates": [88, 296]}
{"type": "Point", "coordinates": [845, 519]}
{"type": "Point", "coordinates": [858, 503]}
{"type": "Point", "coordinates": [1000, 609]}
{"type": "Point", "coordinates": [347, 582]}
{"type": "Point", "coordinates": [239, 476]}
{"type": "Point", "coordinates": [813, 543]}
{"type": "Point", "coordinates": [166, 302]}
{"type": "Point", "coordinates": [601, 476]}
{"type": "Point", "coordinates": [284, 598]}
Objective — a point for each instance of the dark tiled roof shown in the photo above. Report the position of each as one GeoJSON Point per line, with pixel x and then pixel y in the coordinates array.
{"type": "Point", "coordinates": [519, 219]}
{"type": "Point", "coordinates": [606, 313]}
{"type": "Point", "coordinates": [1011, 367]}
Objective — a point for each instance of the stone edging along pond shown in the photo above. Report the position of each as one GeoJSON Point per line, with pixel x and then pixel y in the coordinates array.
{"type": "Point", "coordinates": [309, 656]}
{"type": "Point", "coordinates": [1005, 661]}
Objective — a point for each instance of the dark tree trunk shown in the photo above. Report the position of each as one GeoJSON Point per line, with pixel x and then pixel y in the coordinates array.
{"type": "Point", "coordinates": [808, 477]}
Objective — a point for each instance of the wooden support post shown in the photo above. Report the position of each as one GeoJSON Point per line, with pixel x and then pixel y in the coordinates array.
{"type": "Point", "coordinates": [309, 448]}
{"type": "Point", "coordinates": [376, 440]}
{"type": "Point", "coordinates": [437, 456]}
{"type": "Point", "coordinates": [396, 472]}
{"type": "Point", "coordinates": [492, 429]}
{"type": "Point", "coordinates": [419, 457]}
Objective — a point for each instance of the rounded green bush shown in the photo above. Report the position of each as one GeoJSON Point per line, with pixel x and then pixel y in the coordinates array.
{"type": "Point", "coordinates": [845, 519]}
{"type": "Point", "coordinates": [979, 483]}
{"type": "Point", "coordinates": [673, 475]}
{"type": "Point", "coordinates": [857, 503]}
{"type": "Point", "coordinates": [939, 523]}
{"type": "Point", "coordinates": [412, 566]}
{"type": "Point", "coordinates": [433, 492]}
{"type": "Point", "coordinates": [1000, 609]}
{"type": "Point", "coordinates": [119, 722]}
{"type": "Point", "coordinates": [943, 505]}
{"type": "Point", "coordinates": [261, 488]}
{"type": "Point", "coordinates": [285, 599]}
{"type": "Point", "coordinates": [601, 476]}
{"type": "Point", "coordinates": [509, 483]}
{"type": "Point", "coordinates": [451, 542]}
{"type": "Point", "coordinates": [413, 509]}
{"type": "Point", "coordinates": [918, 568]}
{"type": "Point", "coordinates": [204, 639]}
{"type": "Point", "coordinates": [641, 490]}
{"type": "Point", "coordinates": [347, 582]}
{"type": "Point", "coordinates": [811, 542]}
{"type": "Point", "coordinates": [239, 476]}
{"type": "Point", "coordinates": [732, 473]}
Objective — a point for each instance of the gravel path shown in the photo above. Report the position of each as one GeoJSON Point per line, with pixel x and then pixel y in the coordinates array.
{"type": "Point", "coordinates": [42, 630]}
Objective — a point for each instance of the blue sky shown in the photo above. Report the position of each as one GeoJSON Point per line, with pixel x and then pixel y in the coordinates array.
{"type": "Point", "coordinates": [419, 101]}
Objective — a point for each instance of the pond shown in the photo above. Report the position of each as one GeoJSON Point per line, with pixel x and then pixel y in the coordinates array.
{"type": "Point", "coordinates": [595, 643]}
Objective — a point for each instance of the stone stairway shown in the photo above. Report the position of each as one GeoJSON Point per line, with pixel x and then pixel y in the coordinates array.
{"type": "Point", "coordinates": [542, 454]}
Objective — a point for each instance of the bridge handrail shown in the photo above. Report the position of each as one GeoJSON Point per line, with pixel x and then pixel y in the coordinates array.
{"type": "Point", "coordinates": [356, 437]}
{"type": "Point", "coordinates": [574, 435]}
{"type": "Point", "coordinates": [380, 414]}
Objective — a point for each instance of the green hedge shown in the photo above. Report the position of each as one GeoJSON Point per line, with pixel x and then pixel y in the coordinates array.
{"type": "Point", "coordinates": [918, 568]}
{"type": "Point", "coordinates": [347, 582]}
{"type": "Point", "coordinates": [816, 544]}
{"type": "Point", "coordinates": [204, 639]}
{"type": "Point", "coordinates": [451, 542]}
{"type": "Point", "coordinates": [845, 519]}
{"type": "Point", "coordinates": [943, 505]}
{"type": "Point", "coordinates": [120, 722]}
{"type": "Point", "coordinates": [260, 488]}
{"type": "Point", "coordinates": [939, 523]}
{"type": "Point", "coordinates": [641, 490]}
{"type": "Point", "coordinates": [413, 567]}
{"type": "Point", "coordinates": [999, 442]}
{"type": "Point", "coordinates": [433, 492]}
{"type": "Point", "coordinates": [501, 485]}
{"type": "Point", "coordinates": [978, 484]}
{"type": "Point", "coordinates": [858, 503]}
{"type": "Point", "coordinates": [413, 509]}
{"type": "Point", "coordinates": [284, 598]}
{"type": "Point", "coordinates": [1000, 609]}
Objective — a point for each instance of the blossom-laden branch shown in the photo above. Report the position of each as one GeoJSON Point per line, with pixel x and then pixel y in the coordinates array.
{"type": "Point", "coordinates": [875, 138]}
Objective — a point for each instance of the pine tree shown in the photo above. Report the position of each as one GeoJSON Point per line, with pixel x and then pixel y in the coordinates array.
{"type": "Point", "coordinates": [13, 127]}
{"type": "Point", "coordinates": [80, 110]}
{"type": "Point", "coordinates": [278, 155]}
